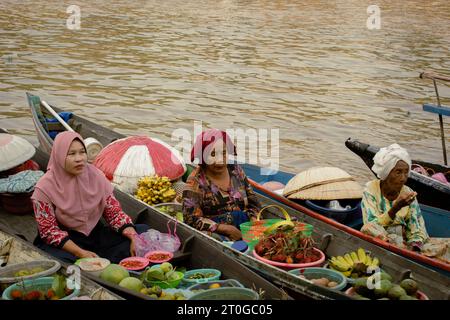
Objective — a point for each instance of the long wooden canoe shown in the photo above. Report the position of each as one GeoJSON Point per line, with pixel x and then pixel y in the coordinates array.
{"type": "Point", "coordinates": [195, 253]}
{"type": "Point", "coordinates": [21, 251]}
{"type": "Point", "coordinates": [430, 191]}
{"type": "Point", "coordinates": [437, 221]}
{"type": "Point", "coordinates": [333, 241]}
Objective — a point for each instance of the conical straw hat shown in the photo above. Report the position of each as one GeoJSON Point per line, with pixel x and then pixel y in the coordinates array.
{"type": "Point", "coordinates": [14, 151]}
{"type": "Point", "coordinates": [323, 183]}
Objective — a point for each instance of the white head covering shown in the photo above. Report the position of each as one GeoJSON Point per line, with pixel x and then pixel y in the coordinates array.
{"type": "Point", "coordinates": [386, 159]}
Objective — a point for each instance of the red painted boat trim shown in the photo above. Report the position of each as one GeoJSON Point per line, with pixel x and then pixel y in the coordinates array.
{"type": "Point", "coordinates": [406, 253]}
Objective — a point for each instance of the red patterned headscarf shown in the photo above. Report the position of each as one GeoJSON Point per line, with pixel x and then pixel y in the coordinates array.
{"type": "Point", "coordinates": [206, 139]}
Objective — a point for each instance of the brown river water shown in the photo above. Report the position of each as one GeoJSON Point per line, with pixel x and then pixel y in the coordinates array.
{"type": "Point", "coordinates": [311, 69]}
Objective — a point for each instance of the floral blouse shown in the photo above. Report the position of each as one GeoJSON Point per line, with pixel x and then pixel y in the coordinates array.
{"type": "Point", "coordinates": [203, 200]}
{"type": "Point", "coordinates": [375, 209]}
{"type": "Point", "coordinates": [51, 233]}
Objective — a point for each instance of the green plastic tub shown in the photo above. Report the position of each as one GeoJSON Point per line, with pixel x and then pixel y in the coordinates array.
{"type": "Point", "coordinates": [226, 294]}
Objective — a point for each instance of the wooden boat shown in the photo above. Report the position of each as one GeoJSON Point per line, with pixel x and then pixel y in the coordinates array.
{"type": "Point", "coordinates": [195, 252]}
{"type": "Point", "coordinates": [332, 240]}
{"type": "Point", "coordinates": [437, 221]}
{"type": "Point", "coordinates": [430, 191]}
{"type": "Point", "coordinates": [18, 251]}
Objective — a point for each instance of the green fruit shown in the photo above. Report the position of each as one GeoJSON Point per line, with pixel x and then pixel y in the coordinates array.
{"type": "Point", "coordinates": [154, 296]}
{"type": "Point", "coordinates": [155, 274]}
{"type": "Point", "coordinates": [114, 273]}
{"type": "Point", "coordinates": [361, 287]}
{"type": "Point", "coordinates": [173, 277]}
{"type": "Point", "coordinates": [156, 290]}
{"type": "Point", "coordinates": [166, 267]}
{"type": "Point", "coordinates": [22, 273]}
{"type": "Point", "coordinates": [132, 283]}
{"type": "Point", "coordinates": [396, 292]}
{"type": "Point", "coordinates": [382, 291]}
{"type": "Point", "coordinates": [385, 276]}
{"type": "Point", "coordinates": [410, 286]}
{"type": "Point", "coordinates": [384, 299]}
{"type": "Point", "coordinates": [406, 297]}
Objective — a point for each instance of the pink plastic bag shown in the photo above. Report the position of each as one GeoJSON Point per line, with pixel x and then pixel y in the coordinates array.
{"type": "Point", "coordinates": [153, 240]}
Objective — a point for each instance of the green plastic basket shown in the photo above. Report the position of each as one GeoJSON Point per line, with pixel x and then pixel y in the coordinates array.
{"type": "Point", "coordinates": [166, 284]}
{"type": "Point", "coordinates": [252, 231]}
{"type": "Point", "coordinates": [226, 294]}
{"type": "Point", "coordinates": [41, 284]}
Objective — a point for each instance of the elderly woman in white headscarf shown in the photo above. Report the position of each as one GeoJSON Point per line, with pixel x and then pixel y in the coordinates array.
{"type": "Point", "coordinates": [388, 202]}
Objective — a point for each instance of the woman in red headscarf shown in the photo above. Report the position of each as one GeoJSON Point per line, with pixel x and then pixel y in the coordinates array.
{"type": "Point", "coordinates": [69, 201]}
{"type": "Point", "coordinates": [218, 196]}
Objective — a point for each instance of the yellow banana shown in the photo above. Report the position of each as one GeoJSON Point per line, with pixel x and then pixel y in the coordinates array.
{"type": "Point", "coordinates": [347, 273]}
{"type": "Point", "coordinates": [337, 265]}
{"type": "Point", "coordinates": [348, 259]}
{"type": "Point", "coordinates": [354, 257]}
{"type": "Point", "coordinates": [368, 261]}
{"type": "Point", "coordinates": [375, 262]}
{"type": "Point", "coordinates": [344, 263]}
{"type": "Point", "coordinates": [362, 255]}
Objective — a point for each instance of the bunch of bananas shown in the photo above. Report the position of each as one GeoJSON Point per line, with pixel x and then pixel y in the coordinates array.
{"type": "Point", "coordinates": [154, 190]}
{"type": "Point", "coordinates": [354, 264]}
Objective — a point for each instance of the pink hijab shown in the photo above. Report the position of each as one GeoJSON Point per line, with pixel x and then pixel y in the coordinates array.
{"type": "Point", "coordinates": [79, 201]}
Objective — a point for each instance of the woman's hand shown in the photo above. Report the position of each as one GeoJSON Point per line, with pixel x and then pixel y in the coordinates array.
{"type": "Point", "coordinates": [87, 254]}
{"type": "Point", "coordinates": [130, 233]}
{"type": "Point", "coordinates": [132, 248]}
{"type": "Point", "coordinates": [405, 199]}
{"type": "Point", "coordinates": [231, 231]}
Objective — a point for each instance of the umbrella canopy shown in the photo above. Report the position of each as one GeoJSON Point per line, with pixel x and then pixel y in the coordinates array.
{"type": "Point", "coordinates": [14, 151]}
{"type": "Point", "coordinates": [323, 183]}
{"type": "Point", "coordinates": [127, 160]}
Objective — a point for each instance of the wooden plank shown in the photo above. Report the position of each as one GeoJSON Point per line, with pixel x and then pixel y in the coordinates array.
{"type": "Point", "coordinates": [444, 111]}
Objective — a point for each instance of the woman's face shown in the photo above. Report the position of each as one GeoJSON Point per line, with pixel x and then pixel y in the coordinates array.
{"type": "Point", "coordinates": [76, 158]}
{"type": "Point", "coordinates": [217, 158]}
{"type": "Point", "coordinates": [398, 176]}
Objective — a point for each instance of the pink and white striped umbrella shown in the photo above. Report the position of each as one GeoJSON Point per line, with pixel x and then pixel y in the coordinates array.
{"type": "Point", "coordinates": [127, 160]}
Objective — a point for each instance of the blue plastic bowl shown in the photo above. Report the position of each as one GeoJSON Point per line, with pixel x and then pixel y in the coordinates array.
{"type": "Point", "coordinates": [41, 284]}
{"type": "Point", "coordinates": [344, 216]}
{"type": "Point", "coordinates": [317, 273]}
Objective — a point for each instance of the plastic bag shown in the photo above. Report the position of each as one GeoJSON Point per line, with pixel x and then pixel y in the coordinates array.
{"type": "Point", "coordinates": [436, 247]}
{"type": "Point", "coordinates": [153, 240]}
{"type": "Point", "coordinates": [375, 230]}
{"type": "Point", "coordinates": [395, 236]}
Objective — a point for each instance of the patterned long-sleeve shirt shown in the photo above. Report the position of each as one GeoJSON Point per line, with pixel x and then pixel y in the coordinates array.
{"type": "Point", "coordinates": [51, 232]}
{"type": "Point", "coordinates": [203, 200]}
{"type": "Point", "coordinates": [375, 208]}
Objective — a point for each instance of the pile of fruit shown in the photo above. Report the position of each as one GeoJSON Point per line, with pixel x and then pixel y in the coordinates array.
{"type": "Point", "coordinates": [324, 282]}
{"type": "Point", "coordinates": [385, 289]}
{"type": "Point", "coordinates": [199, 275]}
{"type": "Point", "coordinates": [58, 291]}
{"type": "Point", "coordinates": [154, 190]}
{"type": "Point", "coordinates": [354, 264]}
{"type": "Point", "coordinates": [172, 211]}
{"type": "Point", "coordinates": [157, 293]}
{"type": "Point", "coordinates": [287, 246]}
{"type": "Point", "coordinates": [24, 273]}
{"type": "Point", "coordinates": [164, 272]}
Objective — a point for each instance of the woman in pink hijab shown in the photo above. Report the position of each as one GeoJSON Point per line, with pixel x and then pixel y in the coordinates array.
{"type": "Point", "coordinates": [69, 201]}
